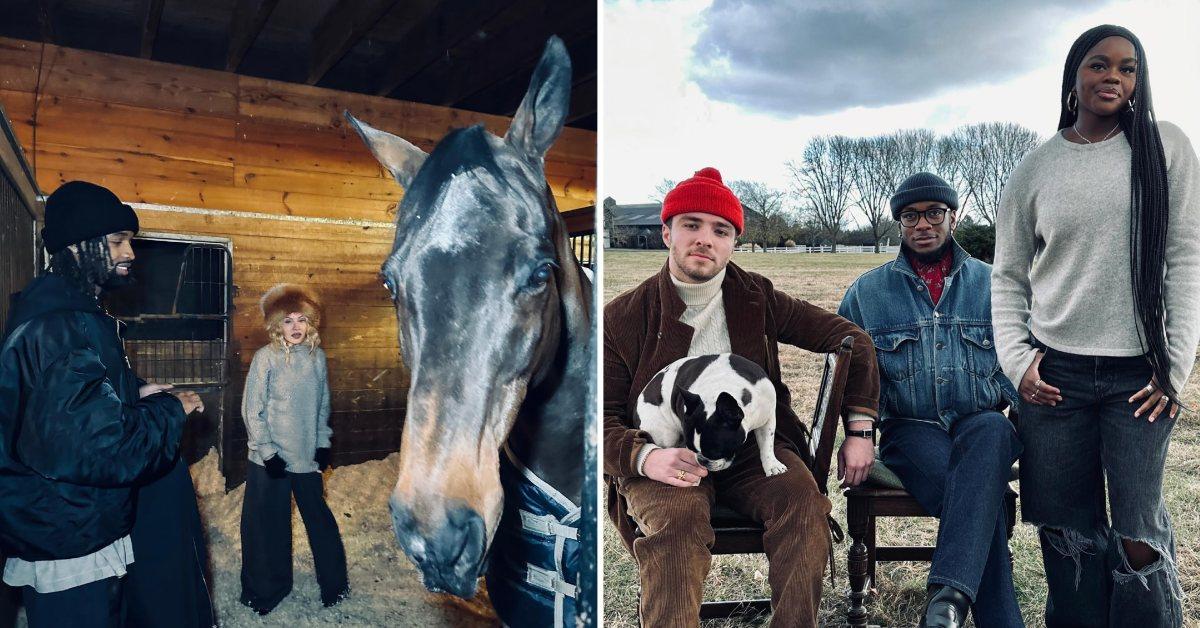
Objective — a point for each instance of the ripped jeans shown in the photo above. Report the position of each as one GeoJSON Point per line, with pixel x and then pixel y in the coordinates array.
{"type": "Point", "coordinates": [1069, 451]}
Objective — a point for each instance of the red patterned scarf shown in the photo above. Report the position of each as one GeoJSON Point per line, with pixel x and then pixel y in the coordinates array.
{"type": "Point", "coordinates": [934, 273]}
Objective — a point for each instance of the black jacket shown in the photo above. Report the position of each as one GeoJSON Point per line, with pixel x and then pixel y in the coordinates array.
{"type": "Point", "coordinates": [74, 437]}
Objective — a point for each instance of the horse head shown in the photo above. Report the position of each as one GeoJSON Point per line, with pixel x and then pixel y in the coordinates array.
{"type": "Point", "coordinates": [478, 273]}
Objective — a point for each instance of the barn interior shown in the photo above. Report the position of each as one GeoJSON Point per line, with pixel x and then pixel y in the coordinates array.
{"type": "Point", "coordinates": [221, 123]}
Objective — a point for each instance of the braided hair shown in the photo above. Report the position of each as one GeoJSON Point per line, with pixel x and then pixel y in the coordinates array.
{"type": "Point", "coordinates": [1149, 195]}
{"type": "Point", "coordinates": [92, 268]}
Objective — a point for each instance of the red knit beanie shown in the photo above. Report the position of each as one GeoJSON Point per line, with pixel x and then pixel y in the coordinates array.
{"type": "Point", "coordinates": [704, 193]}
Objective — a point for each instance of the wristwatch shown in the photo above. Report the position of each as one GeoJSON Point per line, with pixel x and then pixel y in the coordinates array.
{"type": "Point", "coordinates": [867, 433]}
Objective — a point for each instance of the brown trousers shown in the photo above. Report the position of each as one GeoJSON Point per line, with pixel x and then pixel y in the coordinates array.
{"type": "Point", "coordinates": [673, 553]}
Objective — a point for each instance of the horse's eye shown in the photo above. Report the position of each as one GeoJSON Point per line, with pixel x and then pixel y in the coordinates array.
{"type": "Point", "coordinates": [541, 275]}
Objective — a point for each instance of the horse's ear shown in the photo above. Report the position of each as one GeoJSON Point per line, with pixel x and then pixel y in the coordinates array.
{"type": "Point", "coordinates": [397, 154]}
{"type": "Point", "coordinates": [543, 111]}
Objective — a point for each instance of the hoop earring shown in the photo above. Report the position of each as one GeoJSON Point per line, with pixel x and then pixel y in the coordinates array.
{"type": "Point", "coordinates": [1072, 101]}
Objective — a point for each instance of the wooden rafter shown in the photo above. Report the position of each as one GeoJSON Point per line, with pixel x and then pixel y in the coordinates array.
{"type": "Point", "coordinates": [346, 23]}
{"type": "Point", "coordinates": [153, 15]}
{"type": "Point", "coordinates": [454, 20]}
{"type": "Point", "coordinates": [249, 17]}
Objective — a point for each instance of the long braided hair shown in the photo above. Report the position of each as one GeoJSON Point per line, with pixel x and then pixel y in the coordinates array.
{"type": "Point", "coordinates": [91, 269]}
{"type": "Point", "coordinates": [1149, 196]}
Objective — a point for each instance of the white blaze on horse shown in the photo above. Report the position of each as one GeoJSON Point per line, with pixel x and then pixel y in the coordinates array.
{"type": "Point", "coordinates": [494, 316]}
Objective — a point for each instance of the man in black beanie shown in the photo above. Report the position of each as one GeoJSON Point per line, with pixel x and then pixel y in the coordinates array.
{"type": "Point", "coordinates": [941, 434]}
{"type": "Point", "coordinates": [79, 432]}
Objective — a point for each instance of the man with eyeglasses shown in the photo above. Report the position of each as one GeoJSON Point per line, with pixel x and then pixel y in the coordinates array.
{"type": "Point", "coordinates": [929, 315]}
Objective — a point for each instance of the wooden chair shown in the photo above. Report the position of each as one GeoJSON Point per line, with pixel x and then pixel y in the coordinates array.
{"type": "Point", "coordinates": [883, 495]}
{"type": "Point", "coordinates": [737, 534]}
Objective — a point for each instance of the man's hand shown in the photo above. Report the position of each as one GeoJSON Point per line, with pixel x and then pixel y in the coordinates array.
{"type": "Point", "coordinates": [676, 466]}
{"type": "Point", "coordinates": [855, 457]}
{"type": "Point", "coordinates": [150, 389]}
{"type": "Point", "coordinates": [190, 400]}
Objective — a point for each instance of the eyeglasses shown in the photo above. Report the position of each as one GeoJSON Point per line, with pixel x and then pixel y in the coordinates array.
{"type": "Point", "coordinates": [933, 216]}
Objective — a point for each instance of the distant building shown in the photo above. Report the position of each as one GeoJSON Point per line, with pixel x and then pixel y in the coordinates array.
{"type": "Point", "coordinates": [633, 226]}
{"type": "Point", "coordinates": [638, 226]}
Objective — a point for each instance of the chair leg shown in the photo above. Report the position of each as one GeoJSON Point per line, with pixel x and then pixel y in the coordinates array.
{"type": "Point", "coordinates": [857, 569]}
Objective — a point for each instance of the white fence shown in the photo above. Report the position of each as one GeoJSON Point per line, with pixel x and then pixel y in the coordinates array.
{"type": "Point", "coordinates": [842, 248]}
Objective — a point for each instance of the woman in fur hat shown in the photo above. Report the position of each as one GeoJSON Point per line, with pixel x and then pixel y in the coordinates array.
{"type": "Point", "coordinates": [286, 410]}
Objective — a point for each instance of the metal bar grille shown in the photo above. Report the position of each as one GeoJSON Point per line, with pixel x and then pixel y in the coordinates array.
{"type": "Point", "coordinates": [17, 256]}
{"type": "Point", "coordinates": [583, 245]}
{"type": "Point", "coordinates": [183, 340]}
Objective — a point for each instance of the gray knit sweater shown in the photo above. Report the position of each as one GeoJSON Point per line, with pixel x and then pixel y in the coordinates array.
{"type": "Point", "coordinates": [286, 406]}
{"type": "Point", "coordinates": [1061, 269]}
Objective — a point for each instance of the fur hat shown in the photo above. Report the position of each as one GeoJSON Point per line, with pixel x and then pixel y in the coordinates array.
{"type": "Point", "coordinates": [285, 298]}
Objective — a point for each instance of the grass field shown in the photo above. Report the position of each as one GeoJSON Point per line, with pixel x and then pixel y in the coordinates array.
{"type": "Point", "coordinates": [822, 279]}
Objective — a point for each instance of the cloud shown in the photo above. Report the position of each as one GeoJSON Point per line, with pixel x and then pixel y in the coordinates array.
{"type": "Point", "coordinates": [793, 58]}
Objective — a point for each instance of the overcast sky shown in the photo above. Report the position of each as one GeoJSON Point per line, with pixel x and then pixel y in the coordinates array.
{"type": "Point", "coordinates": [742, 85]}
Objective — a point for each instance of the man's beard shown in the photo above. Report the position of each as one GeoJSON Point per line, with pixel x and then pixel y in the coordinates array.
{"type": "Point", "coordinates": [115, 280]}
{"type": "Point", "coordinates": [929, 257]}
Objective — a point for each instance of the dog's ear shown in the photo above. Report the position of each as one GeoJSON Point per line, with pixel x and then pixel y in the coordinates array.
{"type": "Point", "coordinates": [728, 407]}
{"type": "Point", "coordinates": [684, 403]}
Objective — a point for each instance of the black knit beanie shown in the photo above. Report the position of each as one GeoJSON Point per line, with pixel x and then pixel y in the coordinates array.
{"type": "Point", "coordinates": [923, 186]}
{"type": "Point", "coordinates": [79, 211]}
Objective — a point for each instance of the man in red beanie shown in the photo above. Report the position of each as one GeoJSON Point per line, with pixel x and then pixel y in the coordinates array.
{"type": "Point", "coordinates": [659, 498]}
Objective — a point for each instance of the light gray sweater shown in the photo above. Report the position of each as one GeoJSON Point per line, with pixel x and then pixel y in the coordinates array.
{"type": "Point", "coordinates": [286, 406]}
{"type": "Point", "coordinates": [1061, 271]}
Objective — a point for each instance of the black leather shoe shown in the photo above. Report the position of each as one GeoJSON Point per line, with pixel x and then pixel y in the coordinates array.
{"type": "Point", "coordinates": [334, 599]}
{"type": "Point", "coordinates": [945, 607]}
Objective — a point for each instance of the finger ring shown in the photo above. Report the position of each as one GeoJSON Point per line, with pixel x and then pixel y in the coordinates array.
{"type": "Point", "coordinates": [679, 476]}
{"type": "Point", "coordinates": [1149, 387]}
{"type": "Point", "coordinates": [1038, 383]}
{"type": "Point", "coordinates": [1166, 399]}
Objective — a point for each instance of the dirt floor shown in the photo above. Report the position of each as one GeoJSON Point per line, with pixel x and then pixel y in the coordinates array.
{"type": "Point", "coordinates": [386, 589]}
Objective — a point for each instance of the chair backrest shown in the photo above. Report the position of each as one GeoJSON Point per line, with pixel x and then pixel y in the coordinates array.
{"type": "Point", "coordinates": [828, 411]}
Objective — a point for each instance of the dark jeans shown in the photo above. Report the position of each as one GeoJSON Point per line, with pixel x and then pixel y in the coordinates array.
{"type": "Point", "coordinates": [1070, 451]}
{"type": "Point", "coordinates": [93, 605]}
{"type": "Point", "coordinates": [960, 477]}
{"type": "Point", "coordinates": [267, 537]}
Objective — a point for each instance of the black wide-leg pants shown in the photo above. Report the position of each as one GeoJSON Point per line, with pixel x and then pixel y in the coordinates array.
{"type": "Point", "coordinates": [267, 537]}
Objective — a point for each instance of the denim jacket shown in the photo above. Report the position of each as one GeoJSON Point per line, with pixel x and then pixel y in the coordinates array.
{"type": "Point", "coordinates": [936, 364]}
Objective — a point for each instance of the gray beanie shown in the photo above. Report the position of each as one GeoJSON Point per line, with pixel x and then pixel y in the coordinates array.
{"type": "Point", "coordinates": [923, 186]}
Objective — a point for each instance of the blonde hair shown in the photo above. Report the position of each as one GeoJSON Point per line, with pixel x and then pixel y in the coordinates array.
{"type": "Point", "coordinates": [312, 338]}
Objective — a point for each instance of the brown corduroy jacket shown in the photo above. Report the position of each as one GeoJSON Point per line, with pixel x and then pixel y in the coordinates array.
{"type": "Point", "coordinates": [643, 334]}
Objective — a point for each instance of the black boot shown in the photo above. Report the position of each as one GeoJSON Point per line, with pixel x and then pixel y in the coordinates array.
{"type": "Point", "coordinates": [945, 607]}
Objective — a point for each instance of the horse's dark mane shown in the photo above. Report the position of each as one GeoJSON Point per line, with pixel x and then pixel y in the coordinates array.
{"type": "Point", "coordinates": [460, 151]}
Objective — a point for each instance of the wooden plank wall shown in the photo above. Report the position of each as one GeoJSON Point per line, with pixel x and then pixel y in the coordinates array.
{"type": "Point", "coordinates": [219, 143]}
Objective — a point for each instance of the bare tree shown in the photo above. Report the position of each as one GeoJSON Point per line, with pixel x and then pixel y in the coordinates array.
{"type": "Point", "coordinates": [767, 219]}
{"type": "Point", "coordinates": [1002, 146]}
{"type": "Point", "coordinates": [824, 181]}
{"type": "Point", "coordinates": [660, 190]}
{"type": "Point", "coordinates": [874, 165]}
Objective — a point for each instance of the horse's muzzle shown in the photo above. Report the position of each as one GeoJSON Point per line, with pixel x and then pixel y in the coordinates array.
{"type": "Point", "coordinates": [451, 558]}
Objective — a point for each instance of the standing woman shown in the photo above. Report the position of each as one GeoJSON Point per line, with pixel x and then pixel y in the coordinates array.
{"type": "Point", "coordinates": [1096, 310]}
{"type": "Point", "coordinates": [286, 410]}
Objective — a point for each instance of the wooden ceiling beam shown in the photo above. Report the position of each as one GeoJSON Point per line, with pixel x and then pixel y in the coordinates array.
{"type": "Point", "coordinates": [345, 24]}
{"type": "Point", "coordinates": [453, 21]}
{"type": "Point", "coordinates": [583, 100]}
{"type": "Point", "coordinates": [46, 19]}
{"type": "Point", "coordinates": [153, 16]}
{"type": "Point", "coordinates": [513, 46]}
{"type": "Point", "coordinates": [249, 18]}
